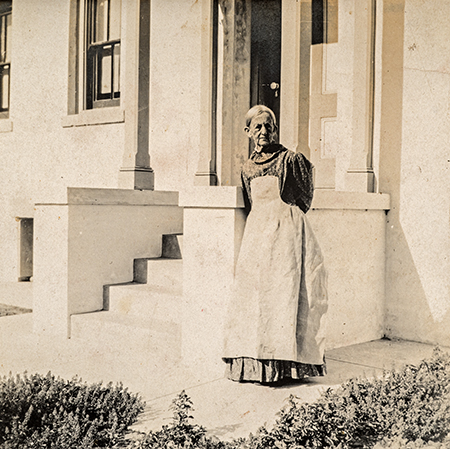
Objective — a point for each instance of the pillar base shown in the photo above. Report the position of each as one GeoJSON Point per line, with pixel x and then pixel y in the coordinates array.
{"type": "Point", "coordinates": [137, 178]}
{"type": "Point", "coordinates": [324, 173]}
{"type": "Point", "coordinates": [360, 181]}
{"type": "Point", "coordinates": [205, 179]}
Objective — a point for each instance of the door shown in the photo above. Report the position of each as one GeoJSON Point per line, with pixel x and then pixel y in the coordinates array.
{"type": "Point", "coordinates": [266, 53]}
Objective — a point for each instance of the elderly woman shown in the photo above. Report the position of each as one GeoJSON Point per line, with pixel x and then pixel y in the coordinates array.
{"type": "Point", "coordinates": [274, 330]}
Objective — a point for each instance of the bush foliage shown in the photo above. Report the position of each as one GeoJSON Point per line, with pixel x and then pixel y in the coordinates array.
{"type": "Point", "coordinates": [48, 412]}
{"type": "Point", "coordinates": [410, 404]}
{"type": "Point", "coordinates": [402, 409]}
{"type": "Point", "coordinates": [181, 433]}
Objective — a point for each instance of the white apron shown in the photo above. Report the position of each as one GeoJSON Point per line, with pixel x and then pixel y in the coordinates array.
{"type": "Point", "coordinates": [280, 296]}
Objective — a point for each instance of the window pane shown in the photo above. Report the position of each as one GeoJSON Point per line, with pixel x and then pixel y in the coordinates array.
{"type": "Point", "coordinates": [103, 53]}
{"type": "Point", "coordinates": [105, 71]}
{"type": "Point", "coordinates": [4, 88]}
{"type": "Point", "coordinates": [101, 20]}
{"type": "Point", "coordinates": [2, 39]}
{"type": "Point", "coordinates": [8, 35]}
{"type": "Point", "coordinates": [116, 70]}
{"type": "Point", "coordinates": [114, 19]}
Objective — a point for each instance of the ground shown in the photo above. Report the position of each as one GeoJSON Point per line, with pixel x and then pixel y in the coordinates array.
{"type": "Point", "coordinates": [227, 409]}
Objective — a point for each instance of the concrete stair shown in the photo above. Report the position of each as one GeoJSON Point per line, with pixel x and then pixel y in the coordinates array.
{"type": "Point", "coordinates": [142, 317]}
{"type": "Point", "coordinates": [151, 300]}
{"type": "Point", "coordinates": [163, 273]}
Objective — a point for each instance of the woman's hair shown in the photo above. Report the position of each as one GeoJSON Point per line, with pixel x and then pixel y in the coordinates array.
{"type": "Point", "coordinates": [258, 110]}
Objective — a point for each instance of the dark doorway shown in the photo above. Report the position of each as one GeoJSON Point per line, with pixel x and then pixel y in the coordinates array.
{"type": "Point", "coordinates": [266, 54]}
{"type": "Point", "coordinates": [26, 249]}
{"type": "Point", "coordinates": [324, 21]}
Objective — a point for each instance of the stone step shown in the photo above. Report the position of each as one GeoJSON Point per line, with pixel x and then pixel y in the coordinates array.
{"type": "Point", "coordinates": [172, 246]}
{"type": "Point", "coordinates": [160, 272]}
{"type": "Point", "coordinates": [146, 300]}
{"type": "Point", "coordinates": [129, 334]}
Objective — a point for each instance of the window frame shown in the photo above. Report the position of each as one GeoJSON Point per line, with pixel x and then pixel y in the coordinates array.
{"type": "Point", "coordinates": [93, 51]}
{"type": "Point", "coordinates": [5, 62]}
{"type": "Point", "coordinates": [79, 112]}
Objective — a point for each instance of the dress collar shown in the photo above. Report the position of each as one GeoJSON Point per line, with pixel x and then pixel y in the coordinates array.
{"type": "Point", "coordinates": [272, 151]}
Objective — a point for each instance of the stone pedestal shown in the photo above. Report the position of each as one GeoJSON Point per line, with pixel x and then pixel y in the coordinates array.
{"type": "Point", "coordinates": [213, 227]}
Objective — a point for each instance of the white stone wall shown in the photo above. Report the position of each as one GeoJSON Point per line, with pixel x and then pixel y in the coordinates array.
{"type": "Point", "coordinates": [175, 64]}
{"type": "Point", "coordinates": [415, 169]}
{"type": "Point", "coordinates": [350, 230]}
{"type": "Point", "coordinates": [90, 240]}
{"type": "Point", "coordinates": [40, 158]}
{"type": "Point", "coordinates": [353, 245]}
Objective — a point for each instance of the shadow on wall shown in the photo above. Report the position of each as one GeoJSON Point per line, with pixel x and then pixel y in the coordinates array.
{"type": "Point", "coordinates": [407, 314]}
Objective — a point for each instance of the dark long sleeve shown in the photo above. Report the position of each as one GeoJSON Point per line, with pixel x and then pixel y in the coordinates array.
{"type": "Point", "coordinates": [294, 173]}
{"type": "Point", "coordinates": [297, 187]}
{"type": "Point", "coordinates": [246, 193]}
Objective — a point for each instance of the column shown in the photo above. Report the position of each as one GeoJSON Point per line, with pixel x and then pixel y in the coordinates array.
{"type": "Point", "coordinates": [304, 105]}
{"type": "Point", "coordinates": [321, 106]}
{"type": "Point", "coordinates": [295, 75]}
{"type": "Point", "coordinates": [206, 174]}
{"type": "Point", "coordinates": [136, 172]}
{"type": "Point", "coordinates": [360, 175]}
{"type": "Point", "coordinates": [223, 112]}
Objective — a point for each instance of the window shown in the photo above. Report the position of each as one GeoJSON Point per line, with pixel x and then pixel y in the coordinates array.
{"type": "Point", "coordinates": [102, 37]}
{"type": "Point", "coordinates": [5, 53]}
{"type": "Point", "coordinates": [94, 56]}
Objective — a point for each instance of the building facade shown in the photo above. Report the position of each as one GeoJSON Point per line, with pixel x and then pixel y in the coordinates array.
{"type": "Point", "coordinates": [121, 121]}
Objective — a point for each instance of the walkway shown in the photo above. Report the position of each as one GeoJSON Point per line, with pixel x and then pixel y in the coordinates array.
{"type": "Point", "coordinates": [225, 408]}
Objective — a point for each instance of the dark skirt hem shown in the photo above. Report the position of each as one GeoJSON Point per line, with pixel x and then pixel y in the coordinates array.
{"type": "Point", "coordinates": [247, 369]}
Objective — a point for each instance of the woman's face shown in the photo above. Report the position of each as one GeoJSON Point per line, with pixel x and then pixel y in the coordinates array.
{"type": "Point", "coordinates": [262, 131]}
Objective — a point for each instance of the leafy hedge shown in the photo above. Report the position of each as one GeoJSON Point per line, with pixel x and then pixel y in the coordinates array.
{"type": "Point", "coordinates": [48, 412]}
{"type": "Point", "coordinates": [402, 409]}
{"type": "Point", "coordinates": [402, 443]}
{"type": "Point", "coordinates": [411, 404]}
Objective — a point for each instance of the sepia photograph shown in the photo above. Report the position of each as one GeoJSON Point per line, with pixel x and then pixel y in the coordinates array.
{"type": "Point", "coordinates": [224, 224]}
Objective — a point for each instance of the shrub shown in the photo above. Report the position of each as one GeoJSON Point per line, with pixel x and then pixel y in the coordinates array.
{"type": "Point", "coordinates": [402, 443]}
{"type": "Point", "coordinates": [181, 433]}
{"type": "Point", "coordinates": [412, 404]}
{"type": "Point", "coordinates": [407, 409]}
{"type": "Point", "coordinates": [48, 412]}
